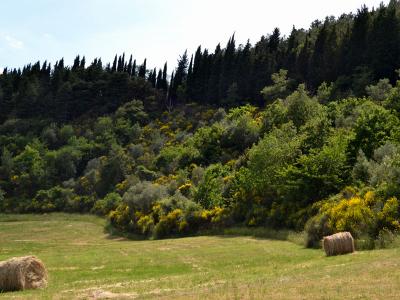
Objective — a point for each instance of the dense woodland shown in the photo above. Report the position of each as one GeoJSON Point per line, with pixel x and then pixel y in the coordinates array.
{"type": "Point", "coordinates": [296, 132]}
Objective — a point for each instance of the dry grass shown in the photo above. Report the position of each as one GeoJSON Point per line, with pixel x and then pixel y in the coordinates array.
{"type": "Point", "coordinates": [84, 263]}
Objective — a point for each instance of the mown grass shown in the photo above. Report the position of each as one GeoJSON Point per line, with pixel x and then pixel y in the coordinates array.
{"type": "Point", "coordinates": [86, 263]}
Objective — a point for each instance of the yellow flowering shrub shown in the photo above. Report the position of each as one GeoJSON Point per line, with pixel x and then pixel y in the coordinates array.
{"type": "Point", "coordinates": [360, 214]}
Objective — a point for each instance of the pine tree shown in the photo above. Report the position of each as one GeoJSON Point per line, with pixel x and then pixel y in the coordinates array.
{"type": "Point", "coordinates": [114, 65]}
{"type": "Point", "coordinates": [76, 64]}
{"type": "Point", "coordinates": [152, 77]}
{"type": "Point", "coordinates": [83, 63]}
{"type": "Point", "coordinates": [274, 40]}
{"type": "Point", "coordinates": [159, 79]}
{"type": "Point", "coordinates": [129, 66]}
{"type": "Point", "coordinates": [142, 69]}
{"type": "Point", "coordinates": [134, 69]}
{"type": "Point", "coordinates": [164, 84]}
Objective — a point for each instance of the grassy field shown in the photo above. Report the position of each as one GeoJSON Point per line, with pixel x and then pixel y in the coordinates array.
{"type": "Point", "coordinates": [85, 263]}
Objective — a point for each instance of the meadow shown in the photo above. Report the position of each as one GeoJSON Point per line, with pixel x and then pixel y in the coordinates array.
{"type": "Point", "coordinates": [84, 262]}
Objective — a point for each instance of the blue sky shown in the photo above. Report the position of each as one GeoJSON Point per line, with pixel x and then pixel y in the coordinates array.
{"type": "Point", "coordinates": [160, 30]}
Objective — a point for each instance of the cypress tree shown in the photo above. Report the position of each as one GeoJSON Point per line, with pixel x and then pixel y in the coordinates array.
{"type": "Point", "coordinates": [114, 65]}
{"type": "Point", "coordinates": [76, 64]}
{"type": "Point", "coordinates": [159, 82]}
{"type": "Point", "coordinates": [164, 84]}
{"type": "Point", "coordinates": [134, 69]}
{"type": "Point", "coordinates": [274, 40]}
{"type": "Point", "coordinates": [83, 63]}
{"type": "Point", "coordinates": [142, 69]}
{"type": "Point", "coordinates": [129, 67]}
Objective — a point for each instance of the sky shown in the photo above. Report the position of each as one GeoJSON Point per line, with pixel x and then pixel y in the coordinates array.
{"type": "Point", "coordinates": [159, 30]}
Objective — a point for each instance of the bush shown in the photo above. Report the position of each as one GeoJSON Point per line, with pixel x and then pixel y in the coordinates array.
{"type": "Point", "coordinates": [81, 204]}
{"type": "Point", "coordinates": [364, 215]}
{"type": "Point", "coordinates": [178, 156]}
{"type": "Point", "coordinates": [382, 171]}
{"type": "Point", "coordinates": [54, 199]}
{"type": "Point", "coordinates": [145, 174]}
{"type": "Point", "coordinates": [143, 195]}
{"type": "Point", "coordinates": [170, 224]}
{"type": "Point", "coordinates": [107, 204]}
{"type": "Point", "coordinates": [65, 133]}
{"type": "Point", "coordinates": [316, 228]}
{"type": "Point", "coordinates": [209, 192]}
{"type": "Point", "coordinates": [133, 111]}
{"type": "Point", "coordinates": [242, 130]}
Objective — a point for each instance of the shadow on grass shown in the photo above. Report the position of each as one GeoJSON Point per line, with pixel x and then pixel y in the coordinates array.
{"type": "Point", "coordinates": [263, 233]}
{"type": "Point", "coordinates": [118, 235]}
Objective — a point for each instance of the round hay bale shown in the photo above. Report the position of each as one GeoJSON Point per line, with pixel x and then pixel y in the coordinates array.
{"type": "Point", "coordinates": [339, 243]}
{"type": "Point", "coordinates": [20, 273]}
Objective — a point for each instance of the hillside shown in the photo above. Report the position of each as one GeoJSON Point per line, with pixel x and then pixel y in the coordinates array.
{"type": "Point", "coordinates": [84, 262]}
{"type": "Point", "coordinates": [257, 136]}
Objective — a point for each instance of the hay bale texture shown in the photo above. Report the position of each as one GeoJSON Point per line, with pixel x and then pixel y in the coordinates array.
{"type": "Point", "coordinates": [339, 243]}
{"type": "Point", "coordinates": [21, 273]}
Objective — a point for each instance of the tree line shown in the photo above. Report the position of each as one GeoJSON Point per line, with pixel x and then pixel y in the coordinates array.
{"type": "Point", "coordinates": [349, 52]}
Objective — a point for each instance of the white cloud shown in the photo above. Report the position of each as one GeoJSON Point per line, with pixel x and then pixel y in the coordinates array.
{"type": "Point", "coordinates": [13, 42]}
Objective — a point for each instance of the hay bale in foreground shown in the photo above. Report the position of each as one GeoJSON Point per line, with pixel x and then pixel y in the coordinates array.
{"type": "Point", "coordinates": [339, 243]}
{"type": "Point", "coordinates": [20, 273]}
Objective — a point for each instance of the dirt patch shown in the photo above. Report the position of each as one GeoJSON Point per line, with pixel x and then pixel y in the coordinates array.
{"type": "Point", "coordinates": [101, 294]}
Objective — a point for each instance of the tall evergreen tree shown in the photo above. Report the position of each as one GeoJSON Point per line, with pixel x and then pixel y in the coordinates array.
{"type": "Point", "coordinates": [142, 69]}
{"type": "Point", "coordinates": [114, 65]}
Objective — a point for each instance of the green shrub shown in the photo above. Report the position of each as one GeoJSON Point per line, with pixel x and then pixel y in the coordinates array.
{"type": "Point", "coordinates": [145, 174]}
{"type": "Point", "coordinates": [81, 204]}
{"type": "Point", "coordinates": [54, 199]}
{"type": "Point", "coordinates": [143, 195]}
{"type": "Point", "coordinates": [242, 130]}
{"type": "Point", "coordinates": [316, 228]}
{"type": "Point", "coordinates": [363, 215]}
{"type": "Point", "coordinates": [209, 192]}
{"type": "Point", "coordinates": [107, 204]}
{"type": "Point", "coordinates": [170, 224]}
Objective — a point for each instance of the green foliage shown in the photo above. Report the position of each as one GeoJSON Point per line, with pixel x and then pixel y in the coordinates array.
{"type": "Point", "coordinates": [301, 107]}
{"type": "Point", "coordinates": [279, 88]}
{"type": "Point", "coordinates": [316, 228]}
{"type": "Point", "coordinates": [269, 158]}
{"type": "Point", "coordinates": [83, 204]}
{"type": "Point", "coordinates": [242, 130]}
{"type": "Point", "coordinates": [145, 174]}
{"type": "Point", "coordinates": [382, 171]}
{"type": "Point", "coordinates": [195, 167]}
{"type": "Point", "coordinates": [374, 126]}
{"type": "Point", "coordinates": [360, 214]}
{"type": "Point", "coordinates": [320, 173]}
{"type": "Point", "coordinates": [143, 195]}
{"type": "Point", "coordinates": [175, 157]}
{"type": "Point", "coordinates": [380, 91]}
{"type": "Point", "coordinates": [274, 115]}
{"type": "Point", "coordinates": [65, 133]}
{"type": "Point", "coordinates": [209, 192]}
{"type": "Point", "coordinates": [324, 92]}
{"type": "Point", "coordinates": [7, 162]}
{"type": "Point", "coordinates": [132, 111]}
{"type": "Point", "coordinates": [54, 199]}
{"type": "Point", "coordinates": [208, 142]}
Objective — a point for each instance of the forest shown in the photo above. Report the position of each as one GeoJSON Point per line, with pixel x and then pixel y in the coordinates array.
{"type": "Point", "coordinates": [299, 132]}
